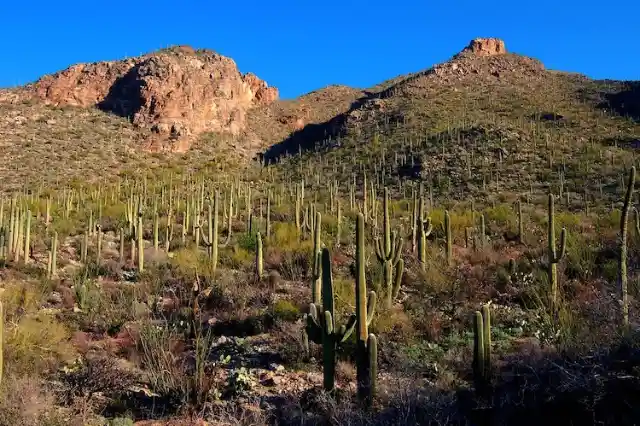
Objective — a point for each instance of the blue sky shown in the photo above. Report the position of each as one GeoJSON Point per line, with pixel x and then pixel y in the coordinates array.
{"type": "Point", "coordinates": [300, 46]}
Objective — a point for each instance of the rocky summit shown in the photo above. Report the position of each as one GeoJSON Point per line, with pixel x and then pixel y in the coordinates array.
{"type": "Point", "coordinates": [175, 93]}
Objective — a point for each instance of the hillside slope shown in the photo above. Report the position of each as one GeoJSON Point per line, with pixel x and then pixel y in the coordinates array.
{"type": "Point", "coordinates": [477, 121]}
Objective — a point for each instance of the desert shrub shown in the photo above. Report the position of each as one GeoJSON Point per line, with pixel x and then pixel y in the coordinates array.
{"type": "Point", "coordinates": [89, 376]}
{"type": "Point", "coordinates": [247, 242]}
{"type": "Point", "coordinates": [187, 262]}
{"type": "Point", "coordinates": [36, 343]}
{"type": "Point", "coordinates": [165, 370]}
{"type": "Point", "coordinates": [502, 215]}
{"type": "Point", "coordinates": [21, 297]}
{"type": "Point", "coordinates": [295, 264]}
{"type": "Point", "coordinates": [285, 310]}
{"type": "Point", "coordinates": [26, 401]}
{"type": "Point", "coordinates": [581, 256]}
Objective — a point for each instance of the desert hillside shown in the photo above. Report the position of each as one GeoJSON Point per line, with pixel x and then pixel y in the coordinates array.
{"type": "Point", "coordinates": [457, 246]}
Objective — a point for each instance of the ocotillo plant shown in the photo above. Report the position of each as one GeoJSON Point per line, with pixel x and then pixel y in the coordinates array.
{"type": "Point", "coordinates": [388, 252]}
{"type": "Point", "coordinates": [482, 348]}
{"type": "Point", "coordinates": [366, 344]}
{"type": "Point", "coordinates": [622, 272]}
{"type": "Point", "coordinates": [554, 256]}
{"type": "Point", "coordinates": [323, 328]}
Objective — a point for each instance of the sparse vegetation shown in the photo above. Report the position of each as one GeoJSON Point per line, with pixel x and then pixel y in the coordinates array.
{"type": "Point", "coordinates": [448, 251]}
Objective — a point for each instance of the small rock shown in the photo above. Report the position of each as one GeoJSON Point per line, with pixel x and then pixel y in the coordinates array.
{"type": "Point", "coordinates": [55, 298]}
{"type": "Point", "coordinates": [276, 367]}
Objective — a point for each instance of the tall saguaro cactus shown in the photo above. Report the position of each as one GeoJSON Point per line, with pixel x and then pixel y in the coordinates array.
{"type": "Point", "coordinates": [322, 328]}
{"type": "Point", "coordinates": [520, 223]}
{"type": "Point", "coordinates": [140, 239]}
{"type": "Point", "coordinates": [388, 252]}
{"type": "Point", "coordinates": [259, 261]}
{"type": "Point", "coordinates": [425, 226]}
{"type": "Point", "coordinates": [366, 344]}
{"type": "Point", "coordinates": [554, 255]}
{"type": "Point", "coordinates": [448, 238]}
{"type": "Point", "coordinates": [482, 348]}
{"type": "Point", "coordinates": [622, 272]}
{"type": "Point", "coordinates": [317, 270]}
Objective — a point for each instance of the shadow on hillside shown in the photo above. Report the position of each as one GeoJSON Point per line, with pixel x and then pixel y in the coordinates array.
{"type": "Point", "coordinates": [625, 102]}
{"type": "Point", "coordinates": [123, 98]}
{"type": "Point", "coordinates": [624, 142]}
{"type": "Point", "coordinates": [312, 136]}
{"type": "Point", "coordinates": [601, 389]}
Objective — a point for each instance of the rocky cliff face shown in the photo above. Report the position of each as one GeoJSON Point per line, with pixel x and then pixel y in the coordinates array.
{"type": "Point", "coordinates": [485, 47]}
{"type": "Point", "coordinates": [175, 94]}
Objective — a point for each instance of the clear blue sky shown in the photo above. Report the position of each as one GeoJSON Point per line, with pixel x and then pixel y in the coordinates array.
{"type": "Point", "coordinates": [300, 45]}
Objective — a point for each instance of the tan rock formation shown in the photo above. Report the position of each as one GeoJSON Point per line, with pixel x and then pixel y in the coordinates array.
{"type": "Point", "coordinates": [175, 93]}
{"type": "Point", "coordinates": [485, 47]}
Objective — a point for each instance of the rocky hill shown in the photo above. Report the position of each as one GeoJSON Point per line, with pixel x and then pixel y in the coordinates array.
{"type": "Point", "coordinates": [196, 103]}
{"type": "Point", "coordinates": [442, 248]}
{"type": "Point", "coordinates": [174, 94]}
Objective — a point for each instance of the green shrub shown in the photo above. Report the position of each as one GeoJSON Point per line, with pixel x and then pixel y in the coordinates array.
{"type": "Point", "coordinates": [285, 310]}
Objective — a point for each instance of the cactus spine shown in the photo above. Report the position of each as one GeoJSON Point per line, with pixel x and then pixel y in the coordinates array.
{"type": "Point", "coordinates": [554, 256]}
{"type": "Point", "coordinates": [622, 272]}
{"type": "Point", "coordinates": [388, 252]}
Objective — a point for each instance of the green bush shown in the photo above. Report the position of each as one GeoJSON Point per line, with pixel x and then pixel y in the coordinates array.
{"type": "Point", "coordinates": [285, 310]}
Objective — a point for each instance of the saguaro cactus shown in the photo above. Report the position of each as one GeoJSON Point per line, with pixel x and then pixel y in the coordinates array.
{"type": "Point", "coordinates": [622, 272]}
{"type": "Point", "coordinates": [140, 239]}
{"type": "Point", "coordinates": [482, 348]}
{"type": "Point", "coordinates": [259, 262]}
{"type": "Point", "coordinates": [520, 223]}
{"type": "Point", "coordinates": [388, 252]}
{"type": "Point", "coordinates": [554, 256]}
{"type": "Point", "coordinates": [27, 236]}
{"type": "Point", "coordinates": [323, 329]}
{"type": "Point", "coordinates": [366, 344]}
{"type": "Point", "coordinates": [1, 341]}
{"type": "Point", "coordinates": [317, 270]}
{"type": "Point", "coordinates": [424, 228]}
{"type": "Point", "coordinates": [448, 238]}
{"type": "Point", "coordinates": [53, 257]}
